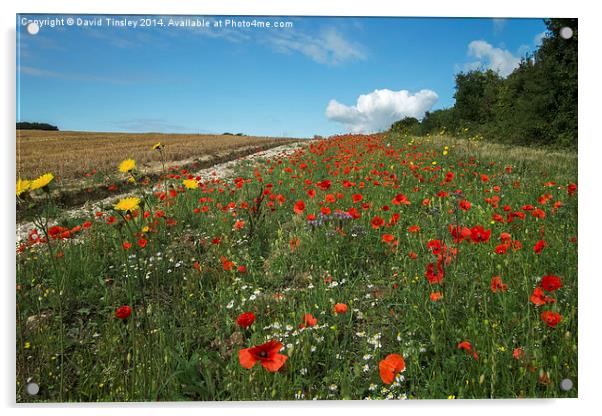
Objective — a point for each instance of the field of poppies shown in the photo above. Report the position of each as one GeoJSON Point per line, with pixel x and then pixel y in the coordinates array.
{"type": "Point", "coordinates": [357, 267]}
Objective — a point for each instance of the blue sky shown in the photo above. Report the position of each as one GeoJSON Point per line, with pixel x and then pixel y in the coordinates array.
{"type": "Point", "coordinates": [294, 82]}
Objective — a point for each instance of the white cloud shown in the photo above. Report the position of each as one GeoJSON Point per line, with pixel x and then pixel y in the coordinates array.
{"type": "Point", "coordinates": [499, 60]}
{"type": "Point", "coordinates": [329, 47]}
{"type": "Point", "coordinates": [377, 110]}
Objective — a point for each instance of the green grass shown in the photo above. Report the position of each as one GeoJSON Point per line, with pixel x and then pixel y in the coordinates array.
{"type": "Point", "coordinates": [182, 341]}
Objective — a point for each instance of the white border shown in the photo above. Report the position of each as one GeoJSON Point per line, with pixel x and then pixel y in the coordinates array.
{"type": "Point", "coordinates": [590, 179]}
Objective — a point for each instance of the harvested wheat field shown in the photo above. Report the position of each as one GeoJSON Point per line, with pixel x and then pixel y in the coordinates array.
{"type": "Point", "coordinates": [71, 154]}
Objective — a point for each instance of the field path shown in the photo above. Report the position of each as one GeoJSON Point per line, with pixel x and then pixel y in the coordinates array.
{"type": "Point", "coordinates": [223, 170]}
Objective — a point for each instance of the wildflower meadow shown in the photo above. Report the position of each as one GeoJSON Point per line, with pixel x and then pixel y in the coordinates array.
{"type": "Point", "coordinates": [354, 267]}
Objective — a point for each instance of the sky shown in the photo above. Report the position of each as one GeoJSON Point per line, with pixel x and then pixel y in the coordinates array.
{"type": "Point", "coordinates": [313, 76]}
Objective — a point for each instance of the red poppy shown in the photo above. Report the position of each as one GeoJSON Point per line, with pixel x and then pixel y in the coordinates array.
{"type": "Point", "coordinates": [123, 312]}
{"type": "Point", "coordinates": [435, 296]}
{"type": "Point", "coordinates": [356, 198]}
{"type": "Point", "coordinates": [539, 298]}
{"type": "Point", "coordinates": [226, 264]}
{"type": "Point", "coordinates": [142, 242]}
{"type": "Point", "coordinates": [571, 188]}
{"type": "Point", "coordinates": [308, 320]}
{"type": "Point", "coordinates": [126, 245]}
{"type": "Point", "coordinates": [324, 185]}
{"type": "Point", "coordinates": [325, 210]}
{"type": "Point", "coordinates": [392, 365]}
{"type": "Point", "coordinates": [388, 238]}
{"type": "Point", "coordinates": [430, 274]}
{"type": "Point", "coordinates": [538, 247]}
{"type": "Point", "coordinates": [340, 308]}
{"type": "Point", "coordinates": [518, 353]}
{"type": "Point", "coordinates": [460, 233]}
{"type": "Point", "coordinates": [413, 229]}
{"type": "Point", "coordinates": [467, 346]}
{"type": "Point", "coordinates": [377, 222]}
{"type": "Point", "coordinates": [242, 269]}
{"type": "Point", "coordinates": [400, 199]}
{"type": "Point", "coordinates": [267, 354]}
{"type": "Point", "coordinates": [496, 284]}
{"type": "Point", "coordinates": [551, 318]}
{"type": "Point", "coordinates": [299, 207]}
{"type": "Point", "coordinates": [550, 283]}
{"type": "Point", "coordinates": [464, 205]}
{"type": "Point", "coordinates": [245, 320]}
{"type": "Point", "coordinates": [479, 235]}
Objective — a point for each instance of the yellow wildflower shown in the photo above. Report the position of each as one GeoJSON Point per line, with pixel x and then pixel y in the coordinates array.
{"type": "Point", "coordinates": [127, 165]}
{"type": "Point", "coordinates": [190, 183]}
{"type": "Point", "coordinates": [128, 204]}
{"type": "Point", "coordinates": [23, 186]}
{"type": "Point", "coordinates": [41, 182]}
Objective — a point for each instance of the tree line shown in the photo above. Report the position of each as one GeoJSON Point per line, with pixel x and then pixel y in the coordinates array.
{"type": "Point", "coordinates": [535, 105]}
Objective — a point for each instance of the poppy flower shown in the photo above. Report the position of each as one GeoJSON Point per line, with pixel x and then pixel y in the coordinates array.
{"type": "Point", "coordinates": [123, 312]}
{"type": "Point", "coordinates": [388, 238]}
{"type": "Point", "coordinates": [430, 274]}
{"type": "Point", "coordinates": [392, 365]}
{"type": "Point", "coordinates": [571, 188]}
{"type": "Point", "coordinates": [400, 199]}
{"type": "Point", "coordinates": [142, 243]}
{"type": "Point", "coordinates": [496, 284]}
{"type": "Point", "coordinates": [299, 207]}
{"type": "Point", "coordinates": [538, 247]}
{"type": "Point", "coordinates": [435, 296]}
{"type": "Point", "coordinates": [126, 245]}
{"type": "Point", "coordinates": [551, 318]}
{"type": "Point", "coordinates": [550, 283]}
{"type": "Point", "coordinates": [413, 229]}
{"type": "Point", "coordinates": [242, 269]}
{"type": "Point", "coordinates": [539, 298]}
{"type": "Point", "coordinates": [479, 235]}
{"type": "Point", "coordinates": [377, 222]}
{"type": "Point", "coordinates": [518, 353]}
{"type": "Point", "coordinates": [324, 185]}
{"type": "Point", "coordinates": [267, 354]}
{"type": "Point", "coordinates": [464, 205]}
{"type": "Point", "coordinates": [356, 198]}
{"type": "Point", "coordinates": [308, 320]}
{"type": "Point", "coordinates": [467, 346]}
{"type": "Point", "coordinates": [226, 264]}
{"type": "Point", "coordinates": [245, 319]}
{"type": "Point", "coordinates": [340, 308]}
{"type": "Point", "coordinates": [460, 233]}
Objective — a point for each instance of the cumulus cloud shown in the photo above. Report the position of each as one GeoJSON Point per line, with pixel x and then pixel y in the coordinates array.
{"type": "Point", "coordinates": [500, 60]}
{"type": "Point", "coordinates": [379, 109]}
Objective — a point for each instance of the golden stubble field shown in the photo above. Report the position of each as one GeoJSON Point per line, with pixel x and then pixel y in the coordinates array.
{"type": "Point", "coordinates": [70, 155]}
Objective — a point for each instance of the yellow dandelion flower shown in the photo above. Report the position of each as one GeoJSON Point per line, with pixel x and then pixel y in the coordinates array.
{"type": "Point", "coordinates": [127, 165]}
{"type": "Point", "coordinates": [128, 204]}
{"type": "Point", "coordinates": [157, 146]}
{"type": "Point", "coordinates": [190, 183]}
{"type": "Point", "coordinates": [23, 186]}
{"type": "Point", "coordinates": [445, 153]}
{"type": "Point", "coordinates": [451, 397]}
{"type": "Point", "coordinates": [41, 182]}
